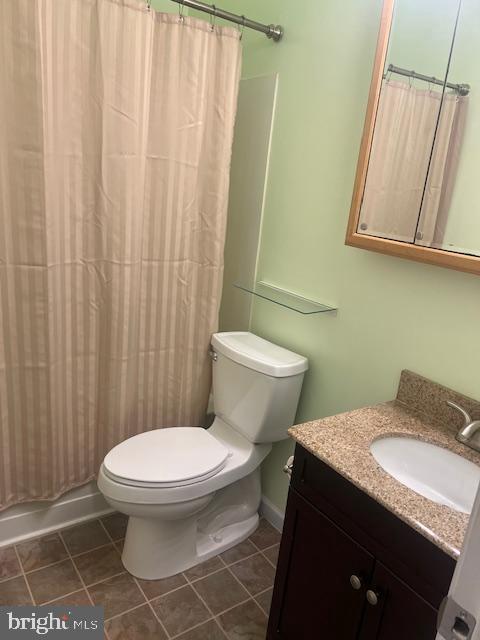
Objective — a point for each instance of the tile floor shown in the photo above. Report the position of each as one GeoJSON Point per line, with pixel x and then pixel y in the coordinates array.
{"type": "Point", "coordinates": [227, 597]}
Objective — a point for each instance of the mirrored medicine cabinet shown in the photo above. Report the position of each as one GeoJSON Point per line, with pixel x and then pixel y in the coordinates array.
{"type": "Point", "coordinates": [415, 193]}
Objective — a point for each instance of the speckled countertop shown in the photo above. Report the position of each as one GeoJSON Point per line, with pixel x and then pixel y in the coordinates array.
{"type": "Point", "coordinates": [343, 442]}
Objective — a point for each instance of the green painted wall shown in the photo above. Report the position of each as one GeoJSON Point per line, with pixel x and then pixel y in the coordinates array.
{"type": "Point", "coordinates": [165, 5]}
{"type": "Point", "coordinates": [393, 314]}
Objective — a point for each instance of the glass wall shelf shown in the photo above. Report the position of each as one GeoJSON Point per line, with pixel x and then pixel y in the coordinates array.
{"type": "Point", "coordinates": [284, 298]}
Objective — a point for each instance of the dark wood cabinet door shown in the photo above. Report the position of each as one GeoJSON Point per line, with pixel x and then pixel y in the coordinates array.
{"type": "Point", "coordinates": [400, 614]}
{"type": "Point", "coordinates": [313, 598]}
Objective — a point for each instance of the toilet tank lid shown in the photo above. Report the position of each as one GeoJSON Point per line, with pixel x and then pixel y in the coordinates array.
{"type": "Point", "coordinates": [258, 354]}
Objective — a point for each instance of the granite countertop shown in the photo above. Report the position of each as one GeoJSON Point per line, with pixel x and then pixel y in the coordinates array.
{"type": "Point", "coordinates": [343, 442]}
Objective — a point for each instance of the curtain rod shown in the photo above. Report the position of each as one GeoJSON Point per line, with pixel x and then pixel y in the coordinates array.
{"type": "Point", "coordinates": [462, 89]}
{"type": "Point", "coordinates": [275, 32]}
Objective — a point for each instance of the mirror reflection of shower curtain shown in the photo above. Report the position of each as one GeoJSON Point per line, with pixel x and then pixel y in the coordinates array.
{"type": "Point", "coordinates": [443, 172]}
{"type": "Point", "coordinates": [405, 130]}
{"type": "Point", "coordinates": [116, 127]}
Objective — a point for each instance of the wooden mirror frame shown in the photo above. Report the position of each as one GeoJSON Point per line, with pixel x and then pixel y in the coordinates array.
{"type": "Point", "coordinates": [449, 259]}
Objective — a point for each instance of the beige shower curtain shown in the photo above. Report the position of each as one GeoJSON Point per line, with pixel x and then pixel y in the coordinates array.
{"type": "Point", "coordinates": [116, 128]}
{"type": "Point", "coordinates": [405, 130]}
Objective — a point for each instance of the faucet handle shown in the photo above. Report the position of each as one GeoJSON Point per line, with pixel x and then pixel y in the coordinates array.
{"type": "Point", "coordinates": [466, 416]}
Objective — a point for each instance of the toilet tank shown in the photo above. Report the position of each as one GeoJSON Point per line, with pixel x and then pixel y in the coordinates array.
{"type": "Point", "coordinates": [256, 385]}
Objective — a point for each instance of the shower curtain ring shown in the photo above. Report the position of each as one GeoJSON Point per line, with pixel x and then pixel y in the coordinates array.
{"type": "Point", "coordinates": [149, 4]}
{"type": "Point", "coordinates": [242, 28]}
{"type": "Point", "coordinates": [181, 9]}
{"type": "Point", "coordinates": [213, 17]}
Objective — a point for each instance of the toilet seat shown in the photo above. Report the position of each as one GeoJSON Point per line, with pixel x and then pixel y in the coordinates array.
{"type": "Point", "coordinates": [166, 458]}
{"type": "Point", "coordinates": [243, 458]}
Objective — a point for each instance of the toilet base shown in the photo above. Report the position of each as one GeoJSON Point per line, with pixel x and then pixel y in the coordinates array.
{"type": "Point", "coordinates": [157, 548]}
{"type": "Point", "coordinates": [155, 561]}
{"type": "Point", "coordinates": [227, 538]}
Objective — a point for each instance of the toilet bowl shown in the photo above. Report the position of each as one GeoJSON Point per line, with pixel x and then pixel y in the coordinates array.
{"type": "Point", "coordinates": [191, 493]}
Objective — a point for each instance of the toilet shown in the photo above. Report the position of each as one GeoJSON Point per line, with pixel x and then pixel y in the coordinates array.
{"type": "Point", "coordinates": [191, 493]}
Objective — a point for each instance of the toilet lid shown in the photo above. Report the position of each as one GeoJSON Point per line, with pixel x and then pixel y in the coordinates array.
{"type": "Point", "coordinates": [171, 457]}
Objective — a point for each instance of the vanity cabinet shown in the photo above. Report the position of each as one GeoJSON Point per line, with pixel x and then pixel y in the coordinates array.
{"type": "Point", "coordinates": [399, 612]}
{"type": "Point", "coordinates": [348, 568]}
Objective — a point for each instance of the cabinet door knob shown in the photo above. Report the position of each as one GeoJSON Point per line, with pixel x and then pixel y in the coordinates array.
{"type": "Point", "coordinates": [372, 597]}
{"type": "Point", "coordinates": [355, 582]}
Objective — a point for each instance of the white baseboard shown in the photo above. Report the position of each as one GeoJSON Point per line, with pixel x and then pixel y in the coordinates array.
{"type": "Point", "coordinates": [272, 514]}
{"type": "Point", "coordinates": [38, 518]}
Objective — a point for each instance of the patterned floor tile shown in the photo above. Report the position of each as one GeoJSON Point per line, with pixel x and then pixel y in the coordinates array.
{"type": "Point", "coordinates": [207, 602]}
{"type": "Point", "coordinates": [255, 573]}
{"type": "Point", "coordinates": [208, 631]}
{"type": "Point", "coordinates": [99, 564]}
{"type": "Point", "coordinates": [221, 591]}
{"type": "Point", "coordinates": [38, 553]}
{"type": "Point", "coordinates": [245, 622]}
{"type": "Point", "coordinates": [180, 610]}
{"type": "Point", "coordinates": [155, 588]}
{"type": "Point", "coordinates": [52, 582]}
{"type": "Point", "coordinates": [116, 525]}
{"type": "Point", "coordinates": [272, 554]}
{"type": "Point", "coordinates": [116, 595]}
{"type": "Point", "coordinates": [139, 624]}
{"type": "Point", "coordinates": [265, 536]}
{"type": "Point", "coordinates": [240, 552]}
{"type": "Point", "coordinates": [202, 570]}
{"type": "Point", "coordinates": [14, 592]}
{"type": "Point", "coordinates": [9, 565]}
{"type": "Point", "coordinates": [85, 537]}
{"type": "Point", "coordinates": [75, 599]}
{"type": "Point", "coordinates": [265, 600]}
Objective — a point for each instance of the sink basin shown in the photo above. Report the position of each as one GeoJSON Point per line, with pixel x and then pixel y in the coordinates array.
{"type": "Point", "coordinates": [431, 471]}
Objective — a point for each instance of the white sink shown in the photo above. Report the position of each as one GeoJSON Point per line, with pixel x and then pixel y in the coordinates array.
{"type": "Point", "coordinates": [433, 472]}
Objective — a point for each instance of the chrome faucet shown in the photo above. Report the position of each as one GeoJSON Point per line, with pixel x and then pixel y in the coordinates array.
{"type": "Point", "coordinates": [469, 429]}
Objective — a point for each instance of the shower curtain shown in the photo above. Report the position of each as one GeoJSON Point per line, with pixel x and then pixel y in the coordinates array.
{"type": "Point", "coordinates": [116, 128]}
{"type": "Point", "coordinates": [405, 130]}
